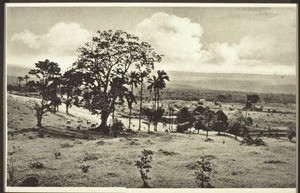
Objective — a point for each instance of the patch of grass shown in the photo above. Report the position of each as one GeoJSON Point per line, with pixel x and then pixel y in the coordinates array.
{"type": "Point", "coordinates": [90, 156]}
{"type": "Point", "coordinates": [166, 153]}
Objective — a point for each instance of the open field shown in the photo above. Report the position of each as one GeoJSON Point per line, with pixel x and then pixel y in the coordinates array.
{"type": "Point", "coordinates": [112, 160]}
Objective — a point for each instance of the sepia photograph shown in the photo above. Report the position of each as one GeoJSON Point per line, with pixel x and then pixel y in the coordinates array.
{"type": "Point", "coordinates": [113, 97]}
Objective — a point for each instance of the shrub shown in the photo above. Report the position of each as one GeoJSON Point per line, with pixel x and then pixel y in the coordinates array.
{"type": "Point", "coordinates": [117, 127]}
{"type": "Point", "coordinates": [204, 174]}
{"type": "Point", "coordinates": [248, 140]}
{"type": "Point", "coordinates": [144, 166]}
{"type": "Point", "coordinates": [291, 131]}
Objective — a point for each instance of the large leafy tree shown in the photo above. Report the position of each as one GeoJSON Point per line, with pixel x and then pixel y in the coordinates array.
{"type": "Point", "coordinates": [47, 73]}
{"type": "Point", "coordinates": [111, 56]}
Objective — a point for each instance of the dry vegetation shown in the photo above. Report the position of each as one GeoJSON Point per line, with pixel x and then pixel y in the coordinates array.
{"type": "Point", "coordinates": [111, 161]}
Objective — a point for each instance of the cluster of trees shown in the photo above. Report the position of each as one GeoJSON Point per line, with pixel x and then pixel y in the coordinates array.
{"type": "Point", "coordinates": [203, 118]}
{"type": "Point", "coordinates": [105, 75]}
{"type": "Point", "coordinates": [189, 94]}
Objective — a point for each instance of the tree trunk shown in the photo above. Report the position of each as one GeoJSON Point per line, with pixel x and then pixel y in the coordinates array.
{"type": "Point", "coordinates": [67, 108]}
{"type": "Point", "coordinates": [103, 126]}
{"type": "Point", "coordinates": [39, 119]}
{"type": "Point", "coordinates": [141, 105]}
{"type": "Point", "coordinates": [129, 124]}
{"type": "Point", "coordinates": [198, 131]}
{"type": "Point", "coordinates": [149, 127]}
{"type": "Point", "coordinates": [157, 99]}
{"type": "Point", "coordinates": [206, 133]}
{"type": "Point", "coordinates": [130, 109]}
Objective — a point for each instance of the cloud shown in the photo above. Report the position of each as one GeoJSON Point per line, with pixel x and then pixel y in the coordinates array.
{"type": "Point", "coordinates": [60, 43]}
{"type": "Point", "coordinates": [28, 38]}
{"type": "Point", "coordinates": [175, 37]}
{"type": "Point", "coordinates": [62, 38]}
{"type": "Point", "coordinates": [179, 39]}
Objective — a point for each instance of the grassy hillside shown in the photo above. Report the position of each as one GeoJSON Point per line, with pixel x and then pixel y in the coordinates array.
{"type": "Point", "coordinates": [112, 160]}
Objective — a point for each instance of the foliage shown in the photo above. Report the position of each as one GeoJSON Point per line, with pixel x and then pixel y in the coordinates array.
{"type": "Point", "coordinates": [253, 98]}
{"type": "Point", "coordinates": [190, 94]}
{"type": "Point", "coordinates": [248, 140]}
{"type": "Point", "coordinates": [205, 120]}
{"type": "Point", "coordinates": [238, 125]}
{"type": "Point", "coordinates": [291, 131]}
{"type": "Point", "coordinates": [153, 116]}
{"type": "Point", "coordinates": [144, 166]}
{"type": "Point", "coordinates": [117, 127]}
{"type": "Point", "coordinates": [204, 174]}
{"type": "Point", "coordinates": [104, 65]}
{"type": "Point", "coordinates": [182, 127]}
{"type": "Point", "coordinates": [184, 115]}
{"type": "Point", "coordinates": [69, 86]}
{"type": "Point", "coordinates": [220, 123]}
{"type": "Point", "coordinates": [48, 74]}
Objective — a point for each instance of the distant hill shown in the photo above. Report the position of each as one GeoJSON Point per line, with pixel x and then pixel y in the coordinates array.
{"type": "Point", "coordinates": [213, 81]}
{"type": "Point", "coordinates": [234, 82]}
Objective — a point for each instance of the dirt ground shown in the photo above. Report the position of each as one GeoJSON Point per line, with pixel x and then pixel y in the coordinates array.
{"type": "Point", "coordinates": [112, 160]}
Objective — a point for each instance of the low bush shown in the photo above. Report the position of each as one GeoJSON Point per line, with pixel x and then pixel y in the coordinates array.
{"type": "Point", "coordinates": [204, 174]}
{"type": "Point", "coordinates": [144, 166]}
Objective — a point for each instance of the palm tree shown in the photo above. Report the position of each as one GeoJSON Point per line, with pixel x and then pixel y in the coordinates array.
{"type": "Point", "coordinates": [26, 77]}
{"type": "Point", "coordinates": [134, 80]}
{"type": "Point", "coordinates": [153, 87]}
{"type": "Point", "coordinates": [161, 84]}
{"type": "Point", "coordinates": [142, 75]}
{"type": "Point", "coordinates": [20, 79]}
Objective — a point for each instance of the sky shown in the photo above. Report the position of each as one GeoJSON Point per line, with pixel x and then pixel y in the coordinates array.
{"type": "Point", "coordinates": [252, 40]}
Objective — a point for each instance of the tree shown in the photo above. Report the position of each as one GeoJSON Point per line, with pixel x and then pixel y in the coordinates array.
{"type": "Point", "coordinates": [238, 125]}
{"type": "Point", "coordinates": [70, 83]}
{"type": "Point", "coordinates": [19, 80]}
{"type": "Point", "coordinates": [184, 115]}
{"type": "Point", "coordinates": [133, 82]}
{"type": "Point", "coordinates": [161, 84]}
{"type": "Point", "coordinates": [221, 122]}
{"type": "Point", "coordinates": [32, 86]}
{"type": "Point", "coordinates": [149, 113]}
{"type": "Point", "coordinates": [108, 56]}
{"type": "Point", "coordinates": [142, 75]}
{"type": "Point", "coordinates": [152, 87]}
{"type": "Point", "coordinates": [26, 77]}
{"type": "Point", "coordinates": [46, 72]}
{"type": "Point", "coordinates": [221, 98]}
{"type": "Point", "coordinates": [254, 98]}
